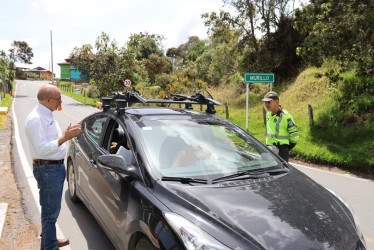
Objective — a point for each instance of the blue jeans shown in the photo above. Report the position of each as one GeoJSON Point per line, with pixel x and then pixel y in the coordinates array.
{"type": "Point", "coordinates": [50, 178]}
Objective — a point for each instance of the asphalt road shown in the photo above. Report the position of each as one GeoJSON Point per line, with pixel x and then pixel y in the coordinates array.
{"type": "Point", "coordinates": [76, 222]}
{"type": "Point", "coordinates": [357, 192]}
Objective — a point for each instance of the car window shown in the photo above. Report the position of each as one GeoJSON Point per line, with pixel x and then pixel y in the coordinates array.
{"type": "Point", "coordinates": [117, 141]}
{"type": "Point", "coordinates": [94, 127]}
{"type": "Point", "coordinates": [190, 148]}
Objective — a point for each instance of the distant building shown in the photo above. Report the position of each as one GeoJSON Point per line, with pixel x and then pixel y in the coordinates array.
{"type": "Point", "coordinates": [42, 73]}
{"type": "Point", "coordinates": [24, 72]}
{"type": "Point", "coordinates": [70, 72]}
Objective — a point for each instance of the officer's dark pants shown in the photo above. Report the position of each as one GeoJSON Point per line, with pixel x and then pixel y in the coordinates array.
{"type": "Point", "coordinates": [284, 151]}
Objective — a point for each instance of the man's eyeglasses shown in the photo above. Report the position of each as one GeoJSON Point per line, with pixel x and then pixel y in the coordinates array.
{"type": "Point", "coordinates": [57, 99]}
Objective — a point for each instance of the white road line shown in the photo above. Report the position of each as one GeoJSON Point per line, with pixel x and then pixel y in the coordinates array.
{"type": "Point", "coordinates": [3, 209]}
{"type": "Point", "coordinates": [329, 172]}
{"type": "Point", "coordinates": [26, 167]}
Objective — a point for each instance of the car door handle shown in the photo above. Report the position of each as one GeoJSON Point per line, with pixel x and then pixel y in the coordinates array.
{"type": "Point", "coordinates": [93, 163]}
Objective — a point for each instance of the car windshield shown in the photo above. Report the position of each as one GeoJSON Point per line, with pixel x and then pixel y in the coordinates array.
{"type": "Point", "coordinates": [187, 148]}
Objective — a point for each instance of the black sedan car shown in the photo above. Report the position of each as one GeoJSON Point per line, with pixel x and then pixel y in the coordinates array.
{"type": "Point", "coordinates": [172, 178]}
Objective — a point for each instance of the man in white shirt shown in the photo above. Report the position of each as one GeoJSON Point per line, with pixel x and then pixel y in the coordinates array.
{"type": "Point", "coordinates": [46, 144]}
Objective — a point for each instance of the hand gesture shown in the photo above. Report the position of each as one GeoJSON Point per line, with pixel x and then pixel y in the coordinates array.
{"type": "Point", "coordinates": [71, 131]}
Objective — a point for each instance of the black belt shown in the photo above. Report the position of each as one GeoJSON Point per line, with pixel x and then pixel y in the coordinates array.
{"type": "Point", "coordinates": [41, 162]}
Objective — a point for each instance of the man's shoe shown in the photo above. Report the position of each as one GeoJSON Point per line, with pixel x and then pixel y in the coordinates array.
{"type": "Point", "coordinates": [60, 243]}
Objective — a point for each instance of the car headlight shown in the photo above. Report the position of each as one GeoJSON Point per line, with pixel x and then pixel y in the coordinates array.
{"type": "Point", "coordinates": [355, 219]}
{"type": "Point", "coordinates": [192, 236]}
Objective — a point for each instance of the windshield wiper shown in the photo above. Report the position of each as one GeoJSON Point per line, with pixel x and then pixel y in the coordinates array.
{"type": "Point", "coordinates": [184, 180]}
{"type": "Point", "coordinates": [254, 174]}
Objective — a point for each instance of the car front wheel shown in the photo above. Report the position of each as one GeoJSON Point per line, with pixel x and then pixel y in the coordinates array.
{"type": "Point", "coordinates": [144, 244]}
{"type": "Point", "coordinates": [72, 184]}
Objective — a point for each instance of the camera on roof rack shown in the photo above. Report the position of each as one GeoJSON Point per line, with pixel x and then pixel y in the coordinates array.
{"type": "Point", "coordinates": [122, 99]}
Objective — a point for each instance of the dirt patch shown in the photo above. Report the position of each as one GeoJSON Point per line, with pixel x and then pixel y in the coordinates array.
{"type": "Point", "coordinates": [351, 120]}
{"type": "Point", "coordinates": [17, 233]}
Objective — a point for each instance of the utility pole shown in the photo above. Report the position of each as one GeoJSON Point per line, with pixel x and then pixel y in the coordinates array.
{"type": "Point", "coordinates": [53, 77]}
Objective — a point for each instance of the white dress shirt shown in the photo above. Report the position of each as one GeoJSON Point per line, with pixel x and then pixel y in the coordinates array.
{"type": "Point", "coordinates": [42, 133]}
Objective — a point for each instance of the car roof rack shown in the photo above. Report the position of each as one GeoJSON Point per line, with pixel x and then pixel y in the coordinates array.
{"type": "Point", "coordinates": [136, 97]}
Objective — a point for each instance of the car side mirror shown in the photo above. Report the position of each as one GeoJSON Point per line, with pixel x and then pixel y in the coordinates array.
{"type": "Point", "coordinates": [117, 164]}
{"type": "Point", "coordinates": [274, 149]}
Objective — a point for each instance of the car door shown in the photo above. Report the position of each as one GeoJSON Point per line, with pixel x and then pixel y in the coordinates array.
{"type": "Point", "coordinates": [87, 150]}
{"type": "Point", "coordinates": [111, 190]}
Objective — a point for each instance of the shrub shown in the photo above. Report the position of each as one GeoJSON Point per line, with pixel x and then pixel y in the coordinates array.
{"type": "Point", "coordinates": [92, 92]}
{"type": "Point", "coordinates": [33, 76]}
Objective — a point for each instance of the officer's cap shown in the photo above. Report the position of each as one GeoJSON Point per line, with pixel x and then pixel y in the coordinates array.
{"type": "Point", "coordinates": [271, 95]}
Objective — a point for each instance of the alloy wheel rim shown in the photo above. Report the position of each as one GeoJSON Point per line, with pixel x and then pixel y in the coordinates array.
{"type": "Point", "coordinates": [71, 180]}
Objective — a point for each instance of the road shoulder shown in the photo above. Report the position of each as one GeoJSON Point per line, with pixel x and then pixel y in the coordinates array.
{"type": "Point", "coordinates": [18, 232]}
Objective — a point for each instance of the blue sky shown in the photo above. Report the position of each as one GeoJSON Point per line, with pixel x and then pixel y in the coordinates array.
{"type": "Point", "coordinates": [77, 22]}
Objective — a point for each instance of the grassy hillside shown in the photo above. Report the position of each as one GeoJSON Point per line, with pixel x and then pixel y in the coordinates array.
{"type": "Point", "coordinates": [342, 135]}
{"type": "Point", "coordinates": [343, 109]}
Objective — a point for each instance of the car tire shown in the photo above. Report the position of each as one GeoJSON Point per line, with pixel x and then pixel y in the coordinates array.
{"type": "Point", "coordinates": [144, 244]}
{"type": "Point", "coordinates": [72, 184]}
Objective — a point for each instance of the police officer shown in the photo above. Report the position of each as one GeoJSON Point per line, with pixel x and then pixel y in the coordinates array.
{"type": "Point", "coordinates": [281, 130]}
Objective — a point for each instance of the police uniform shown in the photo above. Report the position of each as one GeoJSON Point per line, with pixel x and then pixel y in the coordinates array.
{"type": "Point", "coordinates": [281, 130]}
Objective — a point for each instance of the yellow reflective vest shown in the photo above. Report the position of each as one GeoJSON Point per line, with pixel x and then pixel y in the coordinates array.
{"type": "Point", "coordinates": [281, 128]}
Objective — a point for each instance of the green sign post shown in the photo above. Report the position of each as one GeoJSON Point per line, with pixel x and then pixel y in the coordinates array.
{"type": "Point", "coordinates": [257, 78]}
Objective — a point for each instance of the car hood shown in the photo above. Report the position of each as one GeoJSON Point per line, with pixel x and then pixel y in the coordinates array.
{"type": "Point", "coordinates": [286, 212]}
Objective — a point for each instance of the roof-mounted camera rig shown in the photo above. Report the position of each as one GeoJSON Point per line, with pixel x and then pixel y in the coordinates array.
{"type": "Point", "coordinates": [136, 97]}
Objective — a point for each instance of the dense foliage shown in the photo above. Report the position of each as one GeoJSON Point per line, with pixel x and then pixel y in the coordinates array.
{"type": "Point", "coordinates": [19, 52]}
{"type": "Point", "coordinates": [4, 73]}
{"type": "Point", "coordinates": [340, 30]}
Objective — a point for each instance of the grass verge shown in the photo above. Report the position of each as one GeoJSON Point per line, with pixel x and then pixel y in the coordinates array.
{"type": "Point", "coordinates": [5, 102]}
{"type": "Point", "coordinates": [80, 98]}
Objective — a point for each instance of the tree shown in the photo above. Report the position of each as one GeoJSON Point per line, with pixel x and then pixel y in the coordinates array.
{"type": "Point", "coordinates": [270, 52]}
{"type": "Point", "coordinates": [220, 58]}
{"type": "Point", "coordinates": [182, 80]}
{"type": "Point", "coordinates": [188, 51]}
{"type": "Point", "coordinates": [276, 54]}
{"type": "Point", "coordinates": [203, 63]}
{"type": "Point", "coordinates": [172, 53]}
{"type": "Point", "coordinates": [102, 66]}
{"type": "Point", "coordinates": [132, 68]}
{"type": "Point", "coordinates": [156, 65]}
{"type": "Point", "coordinates": [82, 59]}
{"type": "Point", "coordinates": [19, 52]}
{"type": "Point", "coordinates": [340, 30]}
{"type": "Point", "coordinates": [4, 73]}
{"type": "Point", "coordinates": [144, 45]}
{"type": "Point", "coordinates": [109, 65]}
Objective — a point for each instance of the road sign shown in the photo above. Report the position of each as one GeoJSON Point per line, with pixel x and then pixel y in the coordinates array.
{"type": "Point", "coordinates": [127, 82]}
{"type": "Point", "coordinates": [259, 78]}
{"type": "Point", "coordinates": [256, 78]}
{"type": "Point", "coordinates": [77, 91]}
